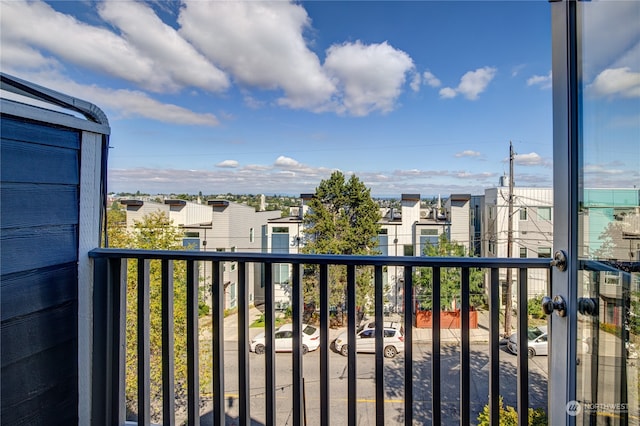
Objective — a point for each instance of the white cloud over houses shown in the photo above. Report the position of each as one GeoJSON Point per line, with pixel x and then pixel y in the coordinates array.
{"type": "Point", "coordinates": [471, 84]}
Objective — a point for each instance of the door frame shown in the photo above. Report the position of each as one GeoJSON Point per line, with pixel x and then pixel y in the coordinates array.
{"type": "Point", "coordinates": [566, 192]}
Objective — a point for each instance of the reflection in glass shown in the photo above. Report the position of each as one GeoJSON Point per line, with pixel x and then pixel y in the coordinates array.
{"type": "Point", "coordinates": [609, 216]}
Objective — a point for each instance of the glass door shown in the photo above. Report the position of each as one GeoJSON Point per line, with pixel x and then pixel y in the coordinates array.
{"type": "Point", "coordinates": [596, 76]}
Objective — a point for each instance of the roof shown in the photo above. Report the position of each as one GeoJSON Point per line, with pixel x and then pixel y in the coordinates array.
{"type": "Point", "coordinates": [218, 203]}
{"type": "Point", "coordinates": [132, 202]}
{"type": "Point", "coordinates": [410, 197]}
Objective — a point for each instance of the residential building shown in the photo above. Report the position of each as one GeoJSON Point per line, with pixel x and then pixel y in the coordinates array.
{"type": "Point", "coordinates": [532, 229]}
{"type": "Point", "coordinates": [220, 226]}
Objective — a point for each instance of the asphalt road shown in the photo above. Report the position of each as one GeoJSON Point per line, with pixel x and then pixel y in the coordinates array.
{"type": "Point", "coordinates": [393, 378]}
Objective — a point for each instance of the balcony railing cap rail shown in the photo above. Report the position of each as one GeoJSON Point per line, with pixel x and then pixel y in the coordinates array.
{"type": "Point", "coordinates": [324, 259]}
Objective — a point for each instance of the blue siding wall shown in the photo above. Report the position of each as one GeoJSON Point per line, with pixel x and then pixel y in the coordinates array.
{"type": "Point", "coordinates": [39, 208]}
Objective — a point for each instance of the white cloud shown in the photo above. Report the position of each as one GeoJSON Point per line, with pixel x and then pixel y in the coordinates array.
{"type": "Point", "coordinates": [371, 76]}
{"type": "Point", "coordinates": [448, 93]}
{"type": "Point", "coordinates": [516, 70]}
{"type": "Point", "coordinates": [431, 79]}
{"type": "Point", "coordinates": [170, 53]}
{"type": "Point", "coordinates": [531, 159]}
{"type": "Point", "coordinates": [40, 26]}
{"type": "Point", "coordinates": [616, 82]}
{"type": "Point", "coordinates": [416, 81]}
{"type": "Point", "coordinates": [467, 153]}
{"type": "Point", "coordinates": [123, 103]}
{"type": "Point", "coordinates": [286, 163]}
{"type": "Point", "coordinates": [262, 45]}
{"type": "Point", "coordinates": [471, 84]}
{"type": "Point", "coordinates": [228, 164]}
{"type": "Point", "coordinates": [544, 81]}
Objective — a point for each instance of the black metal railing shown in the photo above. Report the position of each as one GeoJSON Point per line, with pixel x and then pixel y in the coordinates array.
{"type": "Point", "coordinates": [108, 405]}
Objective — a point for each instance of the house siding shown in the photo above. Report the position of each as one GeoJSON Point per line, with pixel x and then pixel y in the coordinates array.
{"type": "Point", "coordinates": [40, 215]}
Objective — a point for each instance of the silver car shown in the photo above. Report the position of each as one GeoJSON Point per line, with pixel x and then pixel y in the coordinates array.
{"type": "Point", "coordinates": [365, 342]}
{"type": "Point", "coordinates": [283, 341]}
{"type": "Point", "coordinates": [538, 343]}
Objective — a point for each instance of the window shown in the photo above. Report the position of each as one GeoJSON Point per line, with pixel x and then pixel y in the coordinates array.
{"type": "Point", "coordinates": [544, 213]}
{"type": "Point", "coordinates": [408, 249]}
{"type": "Point", "coordinates": [490, 212]}
{"type": "Point", "coordinates": [544, 252]}
{"type": "Point", "coordinates": [523, 252]}
{"type": "Point", "coordinates": [280, 230]}
{"type": "Point", "coordinates": [251, 235]}
{"type": "Point", "coordinates": [281, 273]}
{"type": "Point", "coordinates": [523, 213]}
{"type": "Point", "coordinates": [492, 247]}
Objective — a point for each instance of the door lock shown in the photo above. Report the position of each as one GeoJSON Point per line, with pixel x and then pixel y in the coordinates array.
{"type": "Point", "coordinates": [556, 304]}
{"type": "Point", "coordinates": [560, 260]}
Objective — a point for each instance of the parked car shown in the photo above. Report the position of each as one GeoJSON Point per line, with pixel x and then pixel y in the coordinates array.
{"type": "Point", "coordinates": [283, 341]}
{"type": "Point", "coordinates": [386, 324]}
{"type": "Point", "coordinates": [366, 343]}
{"type": "Point", "coordinates": [538, 343]}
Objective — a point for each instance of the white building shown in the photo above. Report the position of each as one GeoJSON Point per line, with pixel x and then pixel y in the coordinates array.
{"type": "Point", "coordinates": [532, 225]}
{"type": "Point", "coordinates": [219, 225]}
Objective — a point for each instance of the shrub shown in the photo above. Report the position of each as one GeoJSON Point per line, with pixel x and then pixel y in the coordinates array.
{"type": "Point", "coordinates": [534, 308]}
{"type": "Point", "coordinates": [509, 416]}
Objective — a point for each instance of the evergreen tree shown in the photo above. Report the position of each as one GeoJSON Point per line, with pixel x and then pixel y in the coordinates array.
{"type": "Point", "coordinates": [342, 219]}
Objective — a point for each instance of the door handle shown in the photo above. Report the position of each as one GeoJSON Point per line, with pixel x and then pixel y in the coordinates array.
{"type": "Point", "coordinates": [556, 304]}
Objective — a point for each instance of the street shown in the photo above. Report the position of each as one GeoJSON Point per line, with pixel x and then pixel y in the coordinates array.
{"type": "Point", "coordinates": [393, 384]}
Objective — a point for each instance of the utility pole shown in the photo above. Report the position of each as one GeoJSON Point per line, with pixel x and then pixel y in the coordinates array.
{"type": "Point", "coordinates": [508, 293]}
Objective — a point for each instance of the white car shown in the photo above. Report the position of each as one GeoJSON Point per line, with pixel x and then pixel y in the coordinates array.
{"type": "Point", "coordinates": [538, 341]}
{"type": "Point", "coordinates": [283, 341]}
{"type": "Point", "coordinates": [366, 342]}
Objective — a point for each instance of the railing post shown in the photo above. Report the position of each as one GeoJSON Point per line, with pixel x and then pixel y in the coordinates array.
{"type": "Point", "coordinates": [379, 335]}
{"type": "Point", "coordinates": [523, 353]}
{"type": "Point", "coordinates": [243, 346]}
{"type": "Point", "coordinates": [298, 303]}
{"type": "Point", "coordinates": [218, 344]}
{"type": "Point", "coordinates": [351, 348]}
{"type": "Point", "coordinates": [109, 292]}
{"type": "Point", "coordinates": [270, 317]}
{"type": "Point", "coordinates": [193, 378]}
{"type": "Point", "coordinates": [408, 345]}
{"type": "Point", "coordinates": [465, 349]}
{"type": "Point", "coordinates": [324, 345]}
{"type": "Point", "coordinates": [168, 390]}
{"type": "Point", "coordinates": [144, 343]}
{"type": "Point", "coordinates": [494, 347]}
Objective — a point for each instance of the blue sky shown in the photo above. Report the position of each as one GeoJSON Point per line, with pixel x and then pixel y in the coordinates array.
{"type": "Point", "coordinates": [258, 97]}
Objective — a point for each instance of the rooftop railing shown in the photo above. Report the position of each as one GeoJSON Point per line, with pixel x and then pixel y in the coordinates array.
{"type": "Point", "coordinates": [108, 401]}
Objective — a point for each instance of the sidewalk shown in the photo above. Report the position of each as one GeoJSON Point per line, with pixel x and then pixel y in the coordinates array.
{"type": "Point", "coordinates": [477, 335]}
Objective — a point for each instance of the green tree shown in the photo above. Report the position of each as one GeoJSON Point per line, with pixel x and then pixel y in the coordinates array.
{"type": "Point", "coordinates": [449, 278]}
{"type": "Point", "coordinates": [342, 219]}
{"type": "Point", "coordinates": [156, 231]}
